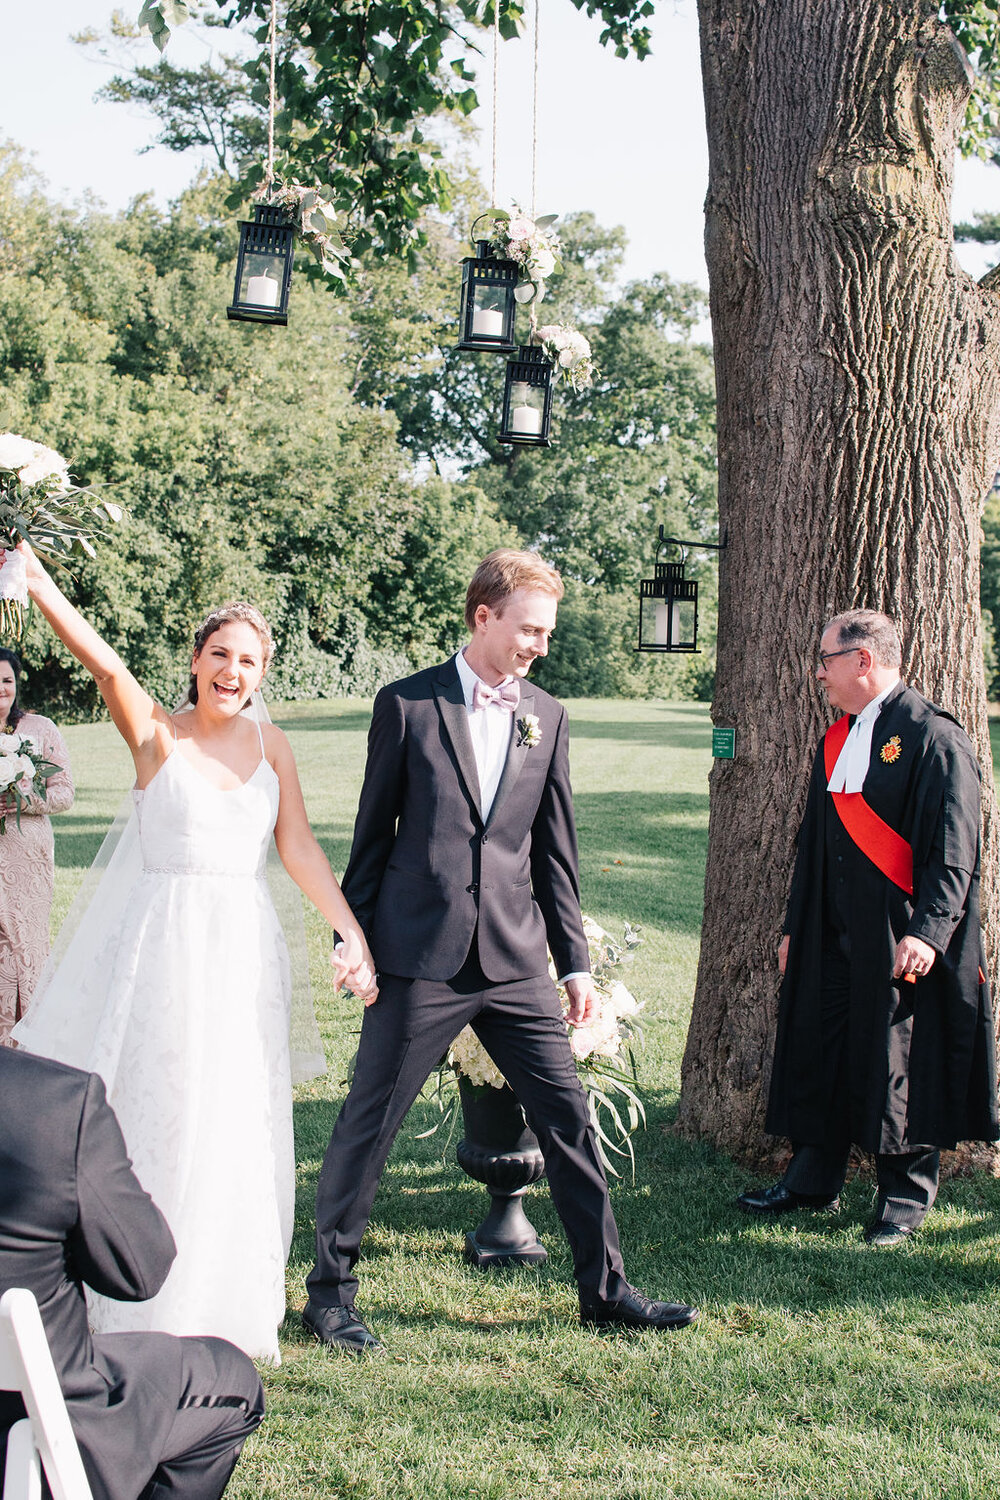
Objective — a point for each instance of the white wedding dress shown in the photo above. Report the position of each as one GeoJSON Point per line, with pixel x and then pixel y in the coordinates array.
{"type": "Point", "coordinates": [179, 999]}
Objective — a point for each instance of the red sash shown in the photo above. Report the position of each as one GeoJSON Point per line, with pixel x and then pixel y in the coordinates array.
{"type": "Point", "coordinates": [887, 850]}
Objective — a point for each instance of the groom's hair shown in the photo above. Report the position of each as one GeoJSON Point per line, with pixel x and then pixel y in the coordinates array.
{"type": "Point", "coordinates": [501, 574]}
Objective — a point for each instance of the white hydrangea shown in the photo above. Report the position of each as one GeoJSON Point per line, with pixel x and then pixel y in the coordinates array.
{"type": "Point", "coordinates": [468, 1055]}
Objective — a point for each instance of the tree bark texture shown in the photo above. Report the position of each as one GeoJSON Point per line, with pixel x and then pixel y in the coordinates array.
{"type": "Point", "coordinates": [858, 372]}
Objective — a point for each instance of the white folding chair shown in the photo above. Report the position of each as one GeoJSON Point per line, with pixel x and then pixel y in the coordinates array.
{"type": "Point", "coordinates": [26, 1366]}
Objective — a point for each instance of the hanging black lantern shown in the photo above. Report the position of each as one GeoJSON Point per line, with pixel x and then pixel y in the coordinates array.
{"type": "Point", "coordinates": [527, 399]}
{"type": "Point", "coordinates": [668, 604]}
{"type": "Point", "coordinates": [486, 320]}
{"type": "Point", "coordinates": [263, 267]}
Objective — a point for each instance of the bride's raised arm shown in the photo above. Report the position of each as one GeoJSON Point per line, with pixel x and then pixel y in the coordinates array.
{"type": "Point", "coordinates": [142, 723]}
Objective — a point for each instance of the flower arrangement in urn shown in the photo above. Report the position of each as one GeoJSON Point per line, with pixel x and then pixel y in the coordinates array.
{"type": "Point", "coordinates": [41, 505]}
{"type": "Point", "coordinates": [602, 1050]}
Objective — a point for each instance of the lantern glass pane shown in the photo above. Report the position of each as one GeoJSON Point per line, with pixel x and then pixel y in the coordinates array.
{"type": "Point", "coordinates": [525, 408]}
{"type": "Point", "coordinates": [488, 308]}
{"type": "Point", "coordinates": [261, 279]}
{"type": "Point", "coordinates": [683, 622]}
{"type": "Point", "coordinates": [653, 621]}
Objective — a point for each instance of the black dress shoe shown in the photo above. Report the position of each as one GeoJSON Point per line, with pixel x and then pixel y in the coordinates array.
{"type": "Point", "coordinates": [633, 1310]}
{"type": "Point", "coordinates": [779, 1199]}
{"type": "Point", "coordinates": [341, 1328]}
{"type": "Point", "coordinates": [881, 1233]}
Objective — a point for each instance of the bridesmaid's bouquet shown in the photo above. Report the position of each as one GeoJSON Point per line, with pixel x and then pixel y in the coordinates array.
{"type": "Point", "coordinates": [41, 505]}
{"type": "Point", "coordinates": [24, 773]}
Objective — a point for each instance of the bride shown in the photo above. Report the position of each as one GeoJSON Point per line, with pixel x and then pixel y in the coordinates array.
{"type": "Point", "coordinates": [179, 998]}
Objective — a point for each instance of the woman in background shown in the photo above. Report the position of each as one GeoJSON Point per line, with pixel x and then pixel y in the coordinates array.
{"type": "Point", "coordinates": [27, 867]}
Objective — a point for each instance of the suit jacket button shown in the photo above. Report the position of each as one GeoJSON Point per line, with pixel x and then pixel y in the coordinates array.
{"type": "Point", "coordinates": [473, 890]}
{"type": "Point", "coordinates": [486, 838]}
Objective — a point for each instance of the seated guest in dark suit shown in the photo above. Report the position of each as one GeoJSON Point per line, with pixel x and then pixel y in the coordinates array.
{"type": "Point", "coordinates": [155, 1416]}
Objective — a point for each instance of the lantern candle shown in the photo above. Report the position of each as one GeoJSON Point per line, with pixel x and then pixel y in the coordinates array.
{"type": "Point", "coordinates": [526, 419]}
{"type": "Point", "coordinates": [487, 322]}
{"type": "Point", "coordinates": [660, 628]}
{"type": "Point", "coordinates": [263, 291]}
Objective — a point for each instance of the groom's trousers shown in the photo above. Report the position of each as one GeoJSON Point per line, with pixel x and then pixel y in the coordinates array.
{"type": "Point", "coordinates": [404, 1035]}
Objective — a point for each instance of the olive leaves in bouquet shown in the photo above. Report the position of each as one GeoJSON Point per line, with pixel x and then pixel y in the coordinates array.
{"type": "Point", "coordinates": [40, 504]}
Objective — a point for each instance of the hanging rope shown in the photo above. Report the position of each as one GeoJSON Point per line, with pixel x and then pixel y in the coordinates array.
{"type": "Point", "coordinates": [496, 79]}
{"type": "Point", "coordinates": [534, 159]}
{"type": "Point", "coordinates": [271, 96]}
{"type": "Point", "coordinates": [534, 126]}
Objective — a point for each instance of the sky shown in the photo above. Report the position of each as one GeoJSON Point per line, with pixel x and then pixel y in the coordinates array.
{"type": "Point", "coordinates": [623, 139]}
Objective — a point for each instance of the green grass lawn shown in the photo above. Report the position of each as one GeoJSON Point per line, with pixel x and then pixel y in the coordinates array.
{"type": "Point", "coordinates": [820, 1369]}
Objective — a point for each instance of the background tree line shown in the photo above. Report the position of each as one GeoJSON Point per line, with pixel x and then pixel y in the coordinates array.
{"type": "Point", "coordinates": [342, 473]}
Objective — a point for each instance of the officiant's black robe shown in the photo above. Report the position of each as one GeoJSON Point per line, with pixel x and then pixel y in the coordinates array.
{"type": "Point", "coordinates": [921, 1068]}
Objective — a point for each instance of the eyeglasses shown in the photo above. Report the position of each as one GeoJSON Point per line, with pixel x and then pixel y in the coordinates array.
{"type": "Point", "coordinates": [825, 656]}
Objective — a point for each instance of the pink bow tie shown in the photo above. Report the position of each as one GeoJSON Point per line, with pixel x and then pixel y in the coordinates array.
{"type": "Point", "coordinates": [507, 695]}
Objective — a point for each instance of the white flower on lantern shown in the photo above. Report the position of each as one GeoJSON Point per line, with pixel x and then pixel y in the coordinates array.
{"type": "Point", "coordinates": [520, 227]}
{"type": "Point", "coordinates": [542, 262]}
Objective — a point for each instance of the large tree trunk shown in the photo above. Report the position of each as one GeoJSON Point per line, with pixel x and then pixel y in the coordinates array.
{"type": "Point", "coordinates": [858, 370]}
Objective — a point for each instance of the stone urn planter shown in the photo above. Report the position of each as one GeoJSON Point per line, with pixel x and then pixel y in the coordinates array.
{"type": "Point", "coordinates": [500, 1151]}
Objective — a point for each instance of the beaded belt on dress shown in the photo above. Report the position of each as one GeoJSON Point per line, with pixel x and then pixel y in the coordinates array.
{"type": "Point", "coordinates": [202, 870]}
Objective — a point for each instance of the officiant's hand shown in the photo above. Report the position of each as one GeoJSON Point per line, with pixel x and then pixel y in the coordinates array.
{"type": "Point", "coordinates": [582, 998]}
{"type": "Point", "coordinates": [354, 968]}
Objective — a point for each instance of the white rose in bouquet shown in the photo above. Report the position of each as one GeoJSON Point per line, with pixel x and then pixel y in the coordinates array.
{"type": "Point", "coordinates": [10, 744]}
{"type": "Point", "coordinates": [8, 771]}
{"type": "Point", "coordinates": [15, 451]}
{"type": "Point", "coordinates": [542, 262]}
{"type": "Point", "coordinates": [44, 463]}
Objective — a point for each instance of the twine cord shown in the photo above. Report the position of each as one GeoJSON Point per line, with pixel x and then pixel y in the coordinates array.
{"type": "Point", "coordinates": [272, 98]}
{"type": "Point", "coordinates": [496, 78]}
{"type": "Point", "coordinates": [534, 125]}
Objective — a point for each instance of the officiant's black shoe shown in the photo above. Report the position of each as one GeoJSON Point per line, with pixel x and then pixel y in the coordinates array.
{"type": "Point", "coordinates": [881, 1233]}
{"type": "Point", "coordinates": [341, 1328]}
{"type": "Point", "coordinates": [779, 1199]}
{"type": "Point", "coordinates": [633, 1310]}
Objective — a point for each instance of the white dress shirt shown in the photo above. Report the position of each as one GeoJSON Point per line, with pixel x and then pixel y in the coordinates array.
{"type": "Point", "coordinates": [849, 773]}
{"type": "Point", "coordinates": [491, 729]}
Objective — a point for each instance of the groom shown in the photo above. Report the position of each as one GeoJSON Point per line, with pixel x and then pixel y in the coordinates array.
{"type": "Point", "coordinates": [463, 864]}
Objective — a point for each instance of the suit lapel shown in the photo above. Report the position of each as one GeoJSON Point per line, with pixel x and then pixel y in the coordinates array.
{"type": "Point", "coordinates": [455, 716]}
{"type": "Point", "coordinates": [516, 754]}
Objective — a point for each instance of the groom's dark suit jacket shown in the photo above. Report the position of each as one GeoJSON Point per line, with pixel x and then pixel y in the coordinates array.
{"type": "Point", "coordinates": [72, 1211]}
{"type": "Point", "coordinates": [427, 874]}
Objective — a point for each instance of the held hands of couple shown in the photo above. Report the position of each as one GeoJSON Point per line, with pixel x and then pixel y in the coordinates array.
{"type": "Point", "coordinates": [354, 968]}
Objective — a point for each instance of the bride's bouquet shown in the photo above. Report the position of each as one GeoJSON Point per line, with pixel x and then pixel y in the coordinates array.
{"type": "Point", "coordinates": [24, 773]}
{"type": "Point", "coordinates": [41, 505]}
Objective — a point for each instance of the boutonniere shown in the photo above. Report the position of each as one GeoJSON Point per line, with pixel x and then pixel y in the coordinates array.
{"type": "Point", "coordinates": [891, 750]}
{"type": "Point", "coordinates": [529, 731]}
